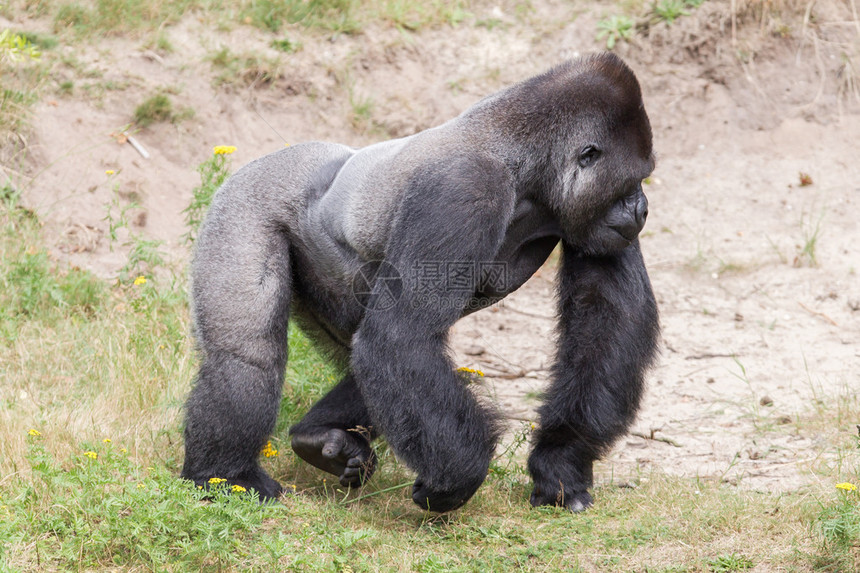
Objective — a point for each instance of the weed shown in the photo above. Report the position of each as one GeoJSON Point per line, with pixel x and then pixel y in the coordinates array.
{"type": "Point", "coordinates": [213, 172]}
{"type": "Point", "coordinates": [838, 524]}
{"type": "Point", "coordinates": [246, 69]}
{"type": "Point", "coordinates": [41, 41]}
{"type": "Point", "coordinates": [362, 109]}
{"type": "Point", "coordinates": [66, 87]}
{"type": "Point", "coordinates": [731, 562]}
{"type": "Point", "coordinates": [155, 109]}
{"type": "Point", "coordinates": [162, 43]}
{"type": "Point", "coordinates": [17, 54]}
{"type": "Point", "coordinates": [615, 28]}
{"type": "Point", "coordinates": [144, 255]}
{"type": "Point", "coordinates": [806, 253]}
{"type": "Point", "coordinates": [286, 45]}
{"type": "Point", "coordinates": [14, 47]}
{"type": "Point", "coordinates": [492, 24]}
{"type": "Point", "coordinates": [669, 10]}
{"type": "Point", "coordinates": [335, 15]}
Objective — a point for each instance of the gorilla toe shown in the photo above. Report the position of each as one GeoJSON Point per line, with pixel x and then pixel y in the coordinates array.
{"type": "Point", "coordinates": [345, 454]}
{"type": "Point", "coordinates": [257, 480]}
{"type": "Point", "coordinates": [575, 502]}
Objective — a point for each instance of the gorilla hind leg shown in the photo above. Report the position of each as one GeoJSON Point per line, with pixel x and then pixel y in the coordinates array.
{"type": "Point", "coordinates": [335, 435]}
{"type": "Point", "coordinates": [241, 291]}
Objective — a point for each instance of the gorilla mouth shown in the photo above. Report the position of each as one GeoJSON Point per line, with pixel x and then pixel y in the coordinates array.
{"type": "Point", "coordinates": [628, 235]}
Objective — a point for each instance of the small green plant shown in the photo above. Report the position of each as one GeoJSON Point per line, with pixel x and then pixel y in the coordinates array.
{"type": "Point", "coordinates": [838, 524]}
{"type": "Point", "coordinates": [362, 109]}
{"type": "Point", "coordinates": [213, 172]}
{"type": "Point", "coordinates": [615, 28]}
{"type": "Point", "coordinates": [20, 79]}
{"type": "Point", "coordinates": [66, 87]}
{"type": "Point", "coordinates": [246, 69]}
{"type": "Point", "coordinates": [670, 10]}
{"type": "Point", "coordinates": [811, 229]}
{"type": "Point", "coordinates": [727, 563]}
{"type": "Point", "coordinates": [155, 109]}
{"type": "Point", "coordinates": [286, 45]}
{"type": "Point", "coordinates": [144, 255]}
{"type": "Point", "coordinates": [14, 47]}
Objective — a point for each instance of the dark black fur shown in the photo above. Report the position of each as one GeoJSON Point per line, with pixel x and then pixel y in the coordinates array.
{"type": "Point", "coordinates": [558, 157]}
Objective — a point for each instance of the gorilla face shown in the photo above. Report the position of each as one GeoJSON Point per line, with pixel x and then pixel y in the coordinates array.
{"type": "Point", "coordinates": [605, 182]}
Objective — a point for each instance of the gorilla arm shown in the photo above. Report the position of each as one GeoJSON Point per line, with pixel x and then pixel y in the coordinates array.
{"type": "Point", "coordinates": [452, 212]}
{"type": "Point", "coordinates": [608, 329]}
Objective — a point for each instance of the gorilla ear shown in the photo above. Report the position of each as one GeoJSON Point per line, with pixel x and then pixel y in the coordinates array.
{"type": "Point", "coordinates": [588, 155]}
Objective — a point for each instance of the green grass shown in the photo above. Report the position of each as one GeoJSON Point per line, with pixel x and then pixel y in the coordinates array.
{"type": "Point", "coordinates": [135, 18]}
{"type": "Point", "coordinates": [155, 109]}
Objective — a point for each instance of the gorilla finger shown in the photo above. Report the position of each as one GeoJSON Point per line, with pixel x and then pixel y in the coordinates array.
{"type": "Point", "coordinates": [334, 444]}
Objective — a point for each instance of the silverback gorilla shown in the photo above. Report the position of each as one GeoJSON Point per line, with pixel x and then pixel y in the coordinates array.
{"type": "Point", "coordinates": [376, 252]}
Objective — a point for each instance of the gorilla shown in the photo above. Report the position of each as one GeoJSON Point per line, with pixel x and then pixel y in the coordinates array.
{"type": "Point", "coordinates": [376, 252]}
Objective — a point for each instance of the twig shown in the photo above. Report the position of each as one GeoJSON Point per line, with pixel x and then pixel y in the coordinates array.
{"type": "Point", "coordinates": [710, 355]}
{"type": "Point", "coordinates": [818, 314]}
{"type": "Point", "coordinates": [527, 313]}
{"type": "Point", "coordinates": [392, 488]}
{"type": "Point", "coordinates": [137, 146]}
{"type": "Point", "coordinates": [669, 441]}
{"type": "Point", "coordinates": [506, 375]}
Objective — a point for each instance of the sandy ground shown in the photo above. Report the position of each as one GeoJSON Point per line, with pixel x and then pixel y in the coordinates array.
{"type": "Point", "coordinates": [758, 336]}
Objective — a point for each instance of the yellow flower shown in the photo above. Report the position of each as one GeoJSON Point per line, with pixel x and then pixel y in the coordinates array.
{"type": "Point", "coordinates": [141, 280]}
{"type": "Point", "coordinates": [106, 441]}
{"type": "Point", "coordinates": [238, 488]}
{"type": "Point", "coordinates": [846, 486]}
{"type": "Point", "coordinates": [470, 371]}
{"type": "Point", "coordinates": [216, 480]}
{"type": "Point", "coordinates": [141, 486]}
{"type": "Point", "coordinates": [224, 149]}
{"type": "Point", "coordinates": [269, 451]}
{"type": "Point", "coordinates": [34, 432]}
{"type": "Point", "coordinates": [123, 450]}
{"type": "Point", "coordinates": [91, 455]}
{"type": "Point", "coordinates": [110, 172]}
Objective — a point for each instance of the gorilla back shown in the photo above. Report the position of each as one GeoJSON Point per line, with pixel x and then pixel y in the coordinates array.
{"type": "Point", "coordinates": [378, 251]}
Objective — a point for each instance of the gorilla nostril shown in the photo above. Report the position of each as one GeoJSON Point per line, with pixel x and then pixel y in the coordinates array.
{"type": "Point", "coordinates": [641, 210]}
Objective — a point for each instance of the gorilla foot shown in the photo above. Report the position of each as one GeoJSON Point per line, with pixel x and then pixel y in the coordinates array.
{"type": "Point", "coordinates": [347, 455]}
{"type": "Point", "coordinates": [252, 480]}
{"type": "Point", "coordinates": [576, 501]}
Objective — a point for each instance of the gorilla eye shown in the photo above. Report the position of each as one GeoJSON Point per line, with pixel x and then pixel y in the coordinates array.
{"type": "Point", "coordinates": [588, 155]}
